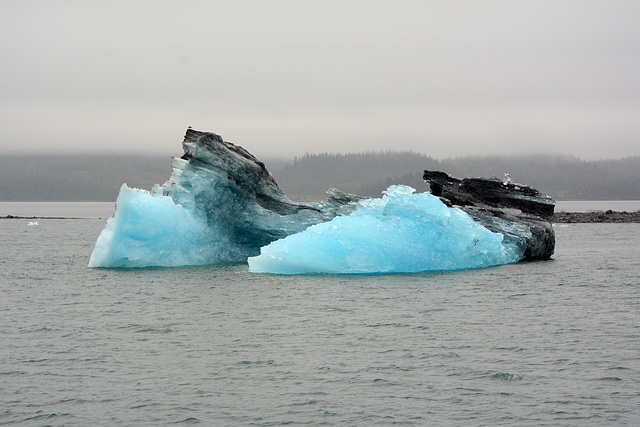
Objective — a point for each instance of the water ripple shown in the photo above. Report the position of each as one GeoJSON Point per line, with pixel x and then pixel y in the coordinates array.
{"type": "Point", "coordinates": [525, 344]}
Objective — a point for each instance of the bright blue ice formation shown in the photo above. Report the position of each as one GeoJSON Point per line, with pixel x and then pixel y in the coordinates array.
{"type": "Point", "coordinates": [222, 205]}
{"type": "Point", "coordinates": [152, 230]}
{"type": "Point", "coordinates": [402, 232]}
{"type": "Point", "coordinates": [219, 205]}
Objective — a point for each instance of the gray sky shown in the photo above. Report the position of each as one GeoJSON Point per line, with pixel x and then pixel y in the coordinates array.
{"type": "Point", "coordinates": [281, 78]}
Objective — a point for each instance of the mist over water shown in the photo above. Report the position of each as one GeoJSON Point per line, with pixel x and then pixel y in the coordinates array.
{"type": "Point", "coordinates": [533, 343]}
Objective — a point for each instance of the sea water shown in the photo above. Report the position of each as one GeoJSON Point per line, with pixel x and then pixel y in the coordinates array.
{"type": "Point", "coordinates": [539, 343]}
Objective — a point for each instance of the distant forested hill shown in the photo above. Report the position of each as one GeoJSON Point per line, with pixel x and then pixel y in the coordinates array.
{"type": "Point", "coordinates": [563, 178]}
{"type": "Point", "coordinates": [367, 174]}
{"type": "Point", "coordinates": [98, 177]}
{"type": "Point", "coordinates": [77, 177]}
{"type": "Point", "coordinates": [82, 177]}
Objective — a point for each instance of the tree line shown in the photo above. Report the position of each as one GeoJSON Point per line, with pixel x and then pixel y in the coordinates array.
{"type": "Point", "coordinates": [77, 177]}
{"type": "Point", "coordinates": [368, 174]}
{"type": "Point", "coordinates": [99, 177]}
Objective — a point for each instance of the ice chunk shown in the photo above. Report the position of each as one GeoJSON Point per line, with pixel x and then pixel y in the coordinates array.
{"type": "Point", "coordinates": [400, 233]}
{"type": "Point", "coordinates": [33, 223]}
{"type": "Point", "coordinates": [152, 230]}
{"type": "Point", "coordinates": [222, 205]}
{"type": "Point", "coordinates": [219, 205]}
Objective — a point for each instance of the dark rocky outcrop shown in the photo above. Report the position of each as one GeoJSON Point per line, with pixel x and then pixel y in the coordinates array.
{"type": "Point", "coordinates": [521, 213]}
{"type": "Point", "coordinates": [246, 175]}
{"type": "Point", "coordinates": [236, 192]}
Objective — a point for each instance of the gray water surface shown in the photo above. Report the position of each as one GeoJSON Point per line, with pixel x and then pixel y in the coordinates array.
{"type": "Point", "coordinates": [544, 343]}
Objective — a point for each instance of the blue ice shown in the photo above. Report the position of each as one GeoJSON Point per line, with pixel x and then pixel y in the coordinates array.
{"type": "Point", "coordinates": [402, 232]}
{"type": "Point", "coordinates": [150, 229]}
{"type": "Point", "coordinates": [201, 215]}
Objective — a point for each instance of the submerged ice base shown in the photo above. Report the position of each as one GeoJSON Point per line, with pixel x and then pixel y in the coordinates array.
{"type": "Point", "coordinates": [402, 232]}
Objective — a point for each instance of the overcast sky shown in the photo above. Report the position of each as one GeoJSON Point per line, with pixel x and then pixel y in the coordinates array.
{"type": "Point", "coordinates": [282, 78]}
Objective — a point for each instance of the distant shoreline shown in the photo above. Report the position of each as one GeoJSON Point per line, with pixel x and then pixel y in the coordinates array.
{"type": "Point", "coordinates": [560, 217]}
{"type": "Point", "coordinates": [596, 217]}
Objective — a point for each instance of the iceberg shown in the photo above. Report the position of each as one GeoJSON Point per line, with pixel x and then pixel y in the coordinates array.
{"type": "Point", "coordinates": [220, 205]}
{"type": "Point", "coordinates": [521, 213]}
{"type": "Point", "coordinates": [150, 229]}
{"type": "Point", "coordinates": [402, 232]}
